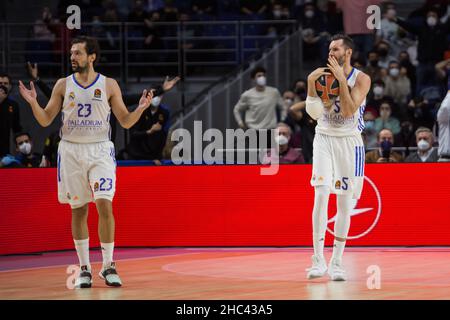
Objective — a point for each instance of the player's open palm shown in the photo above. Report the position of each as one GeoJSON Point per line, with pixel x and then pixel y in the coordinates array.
{"type": "Point", "coordinates": [146, 99]}
{"type": "Point", "coordinates": [29, 95]}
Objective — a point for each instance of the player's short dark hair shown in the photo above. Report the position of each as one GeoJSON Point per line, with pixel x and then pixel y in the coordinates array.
{"type": "Point", "coordinates": [256, 70]}
{"type": "Point", "coordinates": [19, 134]}
{"type": "Point", "coordinates": [348, 42]}
{"type": "Point", "coordinates": [91, 45]}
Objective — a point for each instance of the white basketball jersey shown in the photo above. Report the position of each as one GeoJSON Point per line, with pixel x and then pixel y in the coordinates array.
{"type": "Point", "coordinates": [333, 123]}
{"type": "Point", "coordinates": [85, 112]}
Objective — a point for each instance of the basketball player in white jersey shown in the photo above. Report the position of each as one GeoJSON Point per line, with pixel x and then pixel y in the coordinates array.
{"type": "Point", "coordinates": [338, 153]}
{"type": "Point", "coordinates": [86, 158]}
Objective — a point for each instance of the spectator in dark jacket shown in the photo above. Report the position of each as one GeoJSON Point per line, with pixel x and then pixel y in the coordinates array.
{"type": "Point", "coordinates": [425, 151]}
{"type": "Point", "coordinates": [9, 114]}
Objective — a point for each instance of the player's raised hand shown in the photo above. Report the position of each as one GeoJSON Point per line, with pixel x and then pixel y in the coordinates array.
{"type": "Point", "coordinates": [316, 74]}
{"type": "Point", "coordinates": [146, 99]}
{"type": "Point", "coordinates": [30, 96]}
{"type": "Point", "coordinates": [169, 84]}
{"type": "Point", "coordinates": [336, 69]}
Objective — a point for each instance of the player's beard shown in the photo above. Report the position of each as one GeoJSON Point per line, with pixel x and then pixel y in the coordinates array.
{"type": "Point", "coordinates": [77, 68]}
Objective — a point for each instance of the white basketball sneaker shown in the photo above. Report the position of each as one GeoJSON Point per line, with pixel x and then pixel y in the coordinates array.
{"type": "Point", "coordinates": [109, 274]}
{"type": "Point", "coordinates": [336, 271]}
{"type": "Point", "coordinates": [318, 269]}
{"type": "Point", "coordinates": [84, 280]}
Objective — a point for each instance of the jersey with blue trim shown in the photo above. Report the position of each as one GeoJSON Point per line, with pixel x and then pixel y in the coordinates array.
{"type": "Point", "coordinates": [85, 112]}
{"type": "Point", "coordinates": [333, 123]}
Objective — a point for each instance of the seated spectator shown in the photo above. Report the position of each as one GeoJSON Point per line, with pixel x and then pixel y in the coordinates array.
{"type": "Point", "coordinates": [398, 85]}
{"type": "Point", "coordinates": [405, 62]}
{"type": "Point", "coordinates": [259, 104]}
{"type": "Point", "coordinates": [286, 153]}
{"type": "Point", "coordinates": [300, 89]}
{"type": "Point", "coordinates": [425, 151]}
{"type": "Point", "coordinates": [9, 114]}
{"type": "Point", "coordinates": [303, 128]}
{"type": "Point", "coordinates": [289, 98]}
{"type": "Point", "coordinates": [148, 135]}
{"type": "Point", "coordinates": [378, 96]}
{"type": "Point", "coordinates": [422, 111]}
{"type": "Point", "coordinates": [25, 157]}
{"type": "Point", "coordinates": [384, 152]}
{"type": "Point", "coordinates": [369, 133]}
{"type": "Point", "coordinates": [373, 70]}
{"type": "Point", "coordinates": [384, 53]}
{"type": "Point", "coordinates": [385, 120]}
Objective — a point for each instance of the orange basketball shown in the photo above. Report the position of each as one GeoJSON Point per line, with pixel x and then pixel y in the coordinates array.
{"type": "Point", "coordinates": [327, 88]}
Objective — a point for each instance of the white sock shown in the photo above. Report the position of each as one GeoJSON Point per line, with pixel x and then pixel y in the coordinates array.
{"type": "Point", "coordinates": [338, 250]}
{"type": "Point", "coordinates": [107, 253]}
{"type": "Point", "coordinates": [342, 224]}
{"type": "Point", "coordinates": [320, 218]}
{"type": "Point", "coordinates": [82, 247]}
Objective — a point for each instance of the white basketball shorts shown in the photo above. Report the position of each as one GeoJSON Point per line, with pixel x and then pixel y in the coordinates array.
{"type": "Point", "coordinates": [338, 162]}
{"type": "Point", "coordinates": [86, 172]}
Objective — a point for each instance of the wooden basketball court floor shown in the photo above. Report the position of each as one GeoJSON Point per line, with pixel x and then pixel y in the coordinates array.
{"type": "Point", "coordinates": [232, 274]}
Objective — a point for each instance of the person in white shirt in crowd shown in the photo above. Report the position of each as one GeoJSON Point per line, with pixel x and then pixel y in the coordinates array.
{"type": "Point", "coordinates": [425, 151]}
{"type": "Point", "coordinates": [259, 104]}
{"type": "Point", "coordinates": [398, 85]}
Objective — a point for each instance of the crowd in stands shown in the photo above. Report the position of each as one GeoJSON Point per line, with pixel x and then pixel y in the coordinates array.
{"type": "Point", "coordinates": [408, 60]}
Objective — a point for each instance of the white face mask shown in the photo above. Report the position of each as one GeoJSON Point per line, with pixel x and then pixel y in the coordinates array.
{"type": "Point", "coordinates": [261, 81]}
{"type": "Point", "coordinates": [156, 101]}
{"type": "Point", "coordinates": [431, 21]}
{"type": "Point", "coordinates": [25, 148]}
{"type": "Point", "coordinates": [378, 91]}
{"type": "Point", "coordinates": [281, 140]}
{"type": "Point", "coordinates": [394, 72]}
{"type": "Point", "coordinates": [309, 14]}
{"type": "Point", "coordinates": [277, 13]}
{"type": "Point", "coordinates": [423, 145]}
{"type": "Point", "coordinates": [288, 102]}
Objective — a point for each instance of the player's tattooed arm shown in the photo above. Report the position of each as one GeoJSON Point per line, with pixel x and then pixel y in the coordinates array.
{"type": "Point", "coordinates": [126, 119]}
{"type": "Point", "coordinates": [44, 116]}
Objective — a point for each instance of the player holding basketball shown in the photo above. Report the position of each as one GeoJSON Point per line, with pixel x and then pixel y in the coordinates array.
{"type": "Point", "coordinates": [338, 152]}
{"type": "Point", "coordinates": [86, 157]}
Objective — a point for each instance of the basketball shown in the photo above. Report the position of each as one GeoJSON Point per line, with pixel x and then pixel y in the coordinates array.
{"type": "Point", "coordinates": [327, 87]}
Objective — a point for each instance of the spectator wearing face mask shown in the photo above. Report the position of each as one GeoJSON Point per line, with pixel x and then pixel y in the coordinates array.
{"type": "Point", "coordinates": [379, 96]}
{"type": "Point", "coordinates": [389, 30]}
{"type": "Point", "coordinates": [286, 153]}
{"type": "Point", "coordinates": [259, 104]}
{"type": "Point", "coordinates": [9, 115]}
{"type": "Point", "coordinates": [300, 89]}
{"type": "Point", "coordinates": [386, 120]}
{"type": "Point", "coordinates": [369, 133]}
{"type": "Point", "coordinates": [148, 135]}
{"type": "Point", "coordinates": [425, 151]}
{"type": "Point", "coordinates": [289, 98]}
{"type": "Point", "coordinates": [384, 152]}
{"type": "Point", "coordinates": [372, 69]}
{"type": "Point", "coordinates": [432, 43]}
{"type": "Point", "coordinates": [315, 36]}
{"type": "Point", "coordinates": [398, 86]}
{"type": "Point", "coordinates": [384, 53]}
{"type": "Point", "coordinates": [25, 157]}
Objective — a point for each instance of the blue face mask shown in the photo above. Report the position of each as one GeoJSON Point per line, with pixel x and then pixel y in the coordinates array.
{"type": "Point", "coordinates": [370, 124]}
